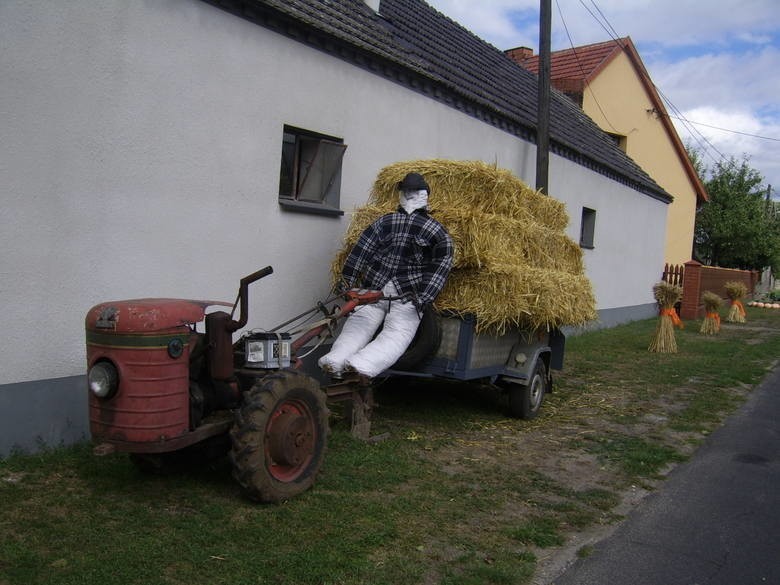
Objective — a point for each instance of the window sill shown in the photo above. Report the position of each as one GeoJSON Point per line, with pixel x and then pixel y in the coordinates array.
{"type": "Point", "coordinates": [312, 208]}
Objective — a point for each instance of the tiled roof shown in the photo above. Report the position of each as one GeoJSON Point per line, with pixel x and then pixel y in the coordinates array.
{"type": "Point", "coordinates": [572, 69]}
{"type": "Point", "coordinates": [580, 63]}
{"type": "Point", "coordinates": [413, 44]}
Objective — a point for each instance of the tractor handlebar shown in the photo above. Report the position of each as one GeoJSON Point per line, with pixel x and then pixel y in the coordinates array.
{"type": "Point", "coordinates": [263, 272]}
{"type": "Point", "coordinates": [243, 296]}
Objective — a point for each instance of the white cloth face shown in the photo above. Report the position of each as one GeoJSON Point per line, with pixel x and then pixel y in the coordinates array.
{"type": "Point", "coordinates": [413, 200]}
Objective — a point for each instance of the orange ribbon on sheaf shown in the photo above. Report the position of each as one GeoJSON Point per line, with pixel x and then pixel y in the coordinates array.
{"type": "Point", "coordinates": [716, 317]}
{"type": "Point", "coordinates": [675, 317]}
{"type": "Point", "coordinates": [740, 306]}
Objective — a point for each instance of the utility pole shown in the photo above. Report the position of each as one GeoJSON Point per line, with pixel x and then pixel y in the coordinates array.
{"type": "Point", "coordinates": [769, 206]}
{"type": "Point", "coordinates": [543, 101]}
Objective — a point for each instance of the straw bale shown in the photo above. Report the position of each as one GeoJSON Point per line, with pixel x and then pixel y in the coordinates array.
{"type": "Point", "coordinates": [509, 295]}
{"type": "Point", "coordinates": [514, 265]}
{"type": "Point", "coordinates": [483, 240]}
{"type": "Point", "coordinates": [472, 185]}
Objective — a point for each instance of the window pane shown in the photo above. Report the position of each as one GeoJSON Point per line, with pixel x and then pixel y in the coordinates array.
{"type": "Point", "coordinates": [287, 171]}
{"type": "Point", "coordinates": [324, 163]}
{"type": "Point", "coordinates": [310, 172]}
{"type": "Point", "coordinates": [587, 227]}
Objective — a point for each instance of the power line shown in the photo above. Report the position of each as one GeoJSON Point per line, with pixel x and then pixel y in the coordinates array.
{"type": "Point", "coordinates": [695, 134]}
{"type": "Point", "coordinates": [727, 130]}
{"type": "Point", "coordinates": [606, 21]}
{"type": "Point", "coordinates": [609, 32]}
{"type": "Point", "coordinates": [582, 71]}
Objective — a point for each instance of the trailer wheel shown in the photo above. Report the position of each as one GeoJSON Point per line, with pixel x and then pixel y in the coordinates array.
{"type": "Point", "coordinates": [279, 437]}
{"type": "Point", "coordinates": [525, 401]}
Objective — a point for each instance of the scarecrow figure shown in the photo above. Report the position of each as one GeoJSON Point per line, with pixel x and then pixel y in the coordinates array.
{"type": "Point", "coordinates": [405, 254]}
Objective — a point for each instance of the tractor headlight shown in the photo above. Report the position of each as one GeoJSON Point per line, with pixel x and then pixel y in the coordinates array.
{"type": "Point", "coordinates": [103, 379]}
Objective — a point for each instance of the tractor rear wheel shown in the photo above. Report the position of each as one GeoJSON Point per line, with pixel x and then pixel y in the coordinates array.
{"type": "Point", "coordinates": [279, 437]}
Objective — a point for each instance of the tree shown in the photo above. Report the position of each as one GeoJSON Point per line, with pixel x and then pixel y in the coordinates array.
{"type": "Point", "coordinates": [735, 229]}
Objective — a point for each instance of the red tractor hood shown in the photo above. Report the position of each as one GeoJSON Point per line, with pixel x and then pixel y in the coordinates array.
{"type": "Point", "coordinates": [147, 315]}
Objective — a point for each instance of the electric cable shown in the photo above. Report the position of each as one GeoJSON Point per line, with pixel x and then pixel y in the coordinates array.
{"type": "Point", "coordinates": [582, 71]}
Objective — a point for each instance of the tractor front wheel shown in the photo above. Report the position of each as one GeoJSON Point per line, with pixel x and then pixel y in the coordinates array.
{"type": "Point", "coordinates": [279, 437]}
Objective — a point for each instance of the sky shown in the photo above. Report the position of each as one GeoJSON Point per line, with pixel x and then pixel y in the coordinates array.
{"type": "Point", "coordinates": [716, 64]}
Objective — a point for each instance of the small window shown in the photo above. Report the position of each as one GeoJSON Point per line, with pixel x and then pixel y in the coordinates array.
{"type": "Point", "coordinates": [310, 175]}
{"type": "Point", "coordinates": [619, 139]}
{"type": "Point", "coordinates": [587, 227]}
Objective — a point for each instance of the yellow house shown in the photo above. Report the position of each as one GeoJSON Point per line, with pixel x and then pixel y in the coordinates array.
{"type": "Point", "coordinates": [610, 83]}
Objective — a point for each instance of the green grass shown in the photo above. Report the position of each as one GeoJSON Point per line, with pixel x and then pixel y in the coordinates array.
{"type": "Point", "coordinates": [635, 456]}
{"type": "Point", "coordinates": [459, 494]}
{"type": "Point", "coordinates": [542, 531]}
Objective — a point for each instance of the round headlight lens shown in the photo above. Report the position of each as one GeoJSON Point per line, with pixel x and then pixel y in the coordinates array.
{"type": "Point", "coordinates": [103, 379]}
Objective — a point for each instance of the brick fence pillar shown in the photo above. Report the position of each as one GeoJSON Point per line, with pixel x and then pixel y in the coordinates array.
{"type": "Point", "coordinates": [689, 307]}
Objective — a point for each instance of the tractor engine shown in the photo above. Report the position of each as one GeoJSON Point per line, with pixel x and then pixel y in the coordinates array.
{"type": "Point", "coordinates": [152, 378]}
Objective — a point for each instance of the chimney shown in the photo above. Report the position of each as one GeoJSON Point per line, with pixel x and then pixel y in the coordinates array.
{"type": "Point", "coordinates": [519, 54]}
{"type": "Point", "coordinates": [373, 5]}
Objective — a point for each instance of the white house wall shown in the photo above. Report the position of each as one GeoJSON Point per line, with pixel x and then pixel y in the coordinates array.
{"type": "Point", "coordinates": [628, 243]}
{"type": "Point", "coordinates": [140, 157]}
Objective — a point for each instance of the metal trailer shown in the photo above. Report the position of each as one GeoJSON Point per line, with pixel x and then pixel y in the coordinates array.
{"type": "Point", "coordinates": [518, 362]}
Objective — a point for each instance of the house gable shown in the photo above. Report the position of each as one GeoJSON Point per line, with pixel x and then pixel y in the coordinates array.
{"type": "Point", "coordinates": [572, 70]}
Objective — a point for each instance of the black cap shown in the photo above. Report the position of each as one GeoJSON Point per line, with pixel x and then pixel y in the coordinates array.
{"type": "Point", "coordinates": [413, 182]}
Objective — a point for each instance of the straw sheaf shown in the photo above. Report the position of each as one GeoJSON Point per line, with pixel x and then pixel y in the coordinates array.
{"type": "Point", "coordinates": [472, 185]}
{"type": "Point", "coordinates": [712, 301]}
{"type": "Point", "coordinates": [509, 295]}
{"type": "Point", "coordinates": [667, 295]}
{"type": "Point", "coordinates": [735, 289]}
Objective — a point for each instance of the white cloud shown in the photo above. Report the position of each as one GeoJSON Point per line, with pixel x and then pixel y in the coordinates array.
{"type": "Point", "coordinates": [707, 136]}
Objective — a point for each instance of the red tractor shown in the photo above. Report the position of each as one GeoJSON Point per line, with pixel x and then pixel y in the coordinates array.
{"type": "Point", "coordinates": [158, 386]}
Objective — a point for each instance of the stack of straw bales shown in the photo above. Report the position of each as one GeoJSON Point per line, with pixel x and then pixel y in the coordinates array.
{"type": "Point", "coordinates": [514, 265]}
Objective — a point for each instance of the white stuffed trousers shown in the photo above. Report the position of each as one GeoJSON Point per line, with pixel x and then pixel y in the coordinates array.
{"type": "Point", "coordinates": [353, 348]}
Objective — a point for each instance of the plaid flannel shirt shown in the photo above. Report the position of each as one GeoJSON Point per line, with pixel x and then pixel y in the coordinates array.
{"type": "Point", "coordinates": [413, 250]}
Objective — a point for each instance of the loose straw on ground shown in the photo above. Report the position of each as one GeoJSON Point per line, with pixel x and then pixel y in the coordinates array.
{"type": "Point", "coordinates": [711, 323]}
{"type": "Point", "coordinates": [667, 296]}
{"type": "Point", "coordinates": [736, 291]}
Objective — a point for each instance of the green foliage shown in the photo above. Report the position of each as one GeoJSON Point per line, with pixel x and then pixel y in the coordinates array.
{"type": "Point", "coordinates": [736, 228]}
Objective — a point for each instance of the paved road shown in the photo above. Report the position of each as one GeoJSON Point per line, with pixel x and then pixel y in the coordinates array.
{"type": "Point", "coordinates": [716, 520]}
